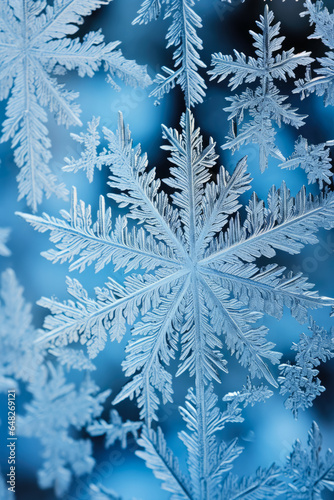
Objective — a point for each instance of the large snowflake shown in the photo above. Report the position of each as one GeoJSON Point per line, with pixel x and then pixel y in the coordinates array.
{"type": "Point", "coordinates": [197, 276]}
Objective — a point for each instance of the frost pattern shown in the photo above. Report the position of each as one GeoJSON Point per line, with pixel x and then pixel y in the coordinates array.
{"type": "Point", "coordinates": [36, 44]}
{"type": "Point", "coordinates": [191, 275]}
{"type": "Point", "coordinates": [200, 263]}
{"type": "Point", "coordinates": [56, 407]}
{"type": "Point", "coordinates": [265, 105]}
{"type": "Point", "coordinates": [193, 260]}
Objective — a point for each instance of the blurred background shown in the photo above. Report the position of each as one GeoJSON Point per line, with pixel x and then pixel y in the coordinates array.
{"type": "Point", "coordinates": [269, 429]}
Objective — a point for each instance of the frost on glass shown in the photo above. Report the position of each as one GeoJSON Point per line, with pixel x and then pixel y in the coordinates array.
{"type": "Point", "coordinates": [197, 252]}
{"type": "Point", "coordinates": [37, 44]}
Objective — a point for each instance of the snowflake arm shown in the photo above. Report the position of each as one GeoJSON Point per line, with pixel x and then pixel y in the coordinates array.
{"type": "Point", "coordinates": [268, 290]}
{"type": "Point", "coordinates": [217, 459]}
{"type": "Point", "coordinates": [182, 34]}
{"type": "Point", "coordinates": [288, 224]}
{"type": "Point", "coordinates": [150, 10]}
{"type": "Point", "coordinates": [247, 342]}
{"type": "Point", "coordinates": [249, 394]}
{"type": "Point", "coordinates": [90, 319]}
{"type": "Point", "coordinates": [221, 200]}
{"type": "Point", "coordinates": [25, 125]}
{"type": "Point", "coordinates": [187, 152]}
{"type": "Point", "coordinates": [148, 353]}
{"type": "Point", "coordinates": [266, 483]}
{"type": "Point", "coordinates": [205, 349]}
{"type": "Point", "coordinates": [77, 236]}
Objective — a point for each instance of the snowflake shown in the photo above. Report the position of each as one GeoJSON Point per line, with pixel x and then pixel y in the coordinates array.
{"type": "Point", "coordinates": [191, 256]}
{"type": "Point", "coordinates": [198, 278]}
{"type": "Point", "coordinates": [265, 105]}
{"type": "Point", "coordinates": [35, 47]}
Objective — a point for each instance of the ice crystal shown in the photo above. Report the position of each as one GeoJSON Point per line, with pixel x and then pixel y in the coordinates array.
{"type": "Point", "coordinates": [197, 274]}
{"type": "Point", "coordinates": [265, 105]}
{"type": "Point", "coordinates": [197, 262]}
